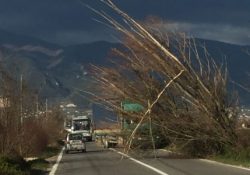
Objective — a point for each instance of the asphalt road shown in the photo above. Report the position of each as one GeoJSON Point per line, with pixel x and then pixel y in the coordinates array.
{"type": "Point", "coordinates": [99, 161]}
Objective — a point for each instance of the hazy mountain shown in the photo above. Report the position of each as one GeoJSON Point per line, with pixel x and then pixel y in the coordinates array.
{"type": "Point", "coordinates": [237, 59]}
{"type": "Point", "coordinates": [95, 53]}
{"type": "Point", "coordinates": [58, 72]}
{"type": "Point", "coordinates": [21, 40]}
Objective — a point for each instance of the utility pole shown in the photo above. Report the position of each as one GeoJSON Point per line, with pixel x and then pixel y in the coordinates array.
{"type": "Point", "coordinates": [37, 107]}
{"type": "Point", "coordinates": [21, 100]}
{"type": "Point", "coordinates": [21, 115]}
{"type": "Point", "coordinates": [46, 107]}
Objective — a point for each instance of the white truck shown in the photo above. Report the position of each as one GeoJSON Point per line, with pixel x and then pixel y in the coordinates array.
{"type": "Point", "coordinates": [81, 124]}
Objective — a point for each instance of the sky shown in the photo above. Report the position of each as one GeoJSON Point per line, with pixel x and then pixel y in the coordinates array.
{"type": "Point", "coordinates": [68, 22]}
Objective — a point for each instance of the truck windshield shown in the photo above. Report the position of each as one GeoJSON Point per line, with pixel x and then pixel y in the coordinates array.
{"type": "Point", "coordinates": [82, 124]}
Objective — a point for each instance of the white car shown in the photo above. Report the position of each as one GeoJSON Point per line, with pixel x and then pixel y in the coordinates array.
{"type": "Point", "coordinates": [75, 142]}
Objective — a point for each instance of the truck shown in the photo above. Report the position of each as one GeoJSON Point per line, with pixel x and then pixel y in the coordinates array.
{"type": "Point", "coordinates": [80, 124]}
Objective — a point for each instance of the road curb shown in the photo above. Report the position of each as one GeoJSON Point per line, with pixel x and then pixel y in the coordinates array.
{"type": "Point", "coordinates": [215, 162]}
{"type": "Point", "coordinates": [224, 164]}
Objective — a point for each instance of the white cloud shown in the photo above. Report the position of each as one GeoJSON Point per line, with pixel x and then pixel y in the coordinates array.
{"type": "Point", "coordinates": [219, 32]}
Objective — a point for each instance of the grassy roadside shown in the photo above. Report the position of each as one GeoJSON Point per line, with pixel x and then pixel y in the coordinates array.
{"type": "Point", "coordinates": [240, 158]}
{"type": "Point", "coordinates": [238, 155]}
{"type": "Point", "coordinates": [231, 161]}
{"type": "Point", "coordinates": [38, 166]}
{"type": "Point", "coordinates": [13, 165]}
{"type": "Point", "coordinates": [50, 152]}
{"type": "Point", "coordinates": [41, 165]}
{"type": "Point", "coordinates": [16, 165]}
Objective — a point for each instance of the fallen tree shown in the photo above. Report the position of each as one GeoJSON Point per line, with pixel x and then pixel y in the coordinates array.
{"type": "Point", "coordinates": [183, 90]}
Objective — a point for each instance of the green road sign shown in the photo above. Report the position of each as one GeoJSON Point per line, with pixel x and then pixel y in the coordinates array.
{"type": "Point", "coordinates": [132, 107]}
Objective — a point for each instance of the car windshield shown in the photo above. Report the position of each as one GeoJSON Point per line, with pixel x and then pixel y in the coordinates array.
{"type": "Point", "coordinates": [75, 137]}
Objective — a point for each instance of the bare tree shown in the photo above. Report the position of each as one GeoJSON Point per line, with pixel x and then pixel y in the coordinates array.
{"type": "Point", "coordinates": [22, 129]}
{"type": "Point", "coordinates": [9, 113]}
{"type": "Point", "coordinates": [183, 90]}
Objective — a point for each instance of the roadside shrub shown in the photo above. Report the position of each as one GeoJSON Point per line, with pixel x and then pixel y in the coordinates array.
{"type": "Point", "coordinates": [201, 148]}
{"type": "Point", "coordinates": [241, 152]}
{"type": "Point", "coordinates": [49, 152]}
{"type": "Point", "coordinates": [235, 156]}
{"type": "Point", "coordinates": [40, 164]}
{"type": "Point", "coordinates": [243, 138]}
{"type": "Point", "coordinates": [53, 125]}
{"type": "Point", "coordinates": [42, 133]}
{"type": "Point", "coordinates": [35, 138]}
{"type": "Point", "coordinates": [13, 165]}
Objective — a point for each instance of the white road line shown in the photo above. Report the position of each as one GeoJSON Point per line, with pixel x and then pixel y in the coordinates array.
{"type": "Point", "coordinates": [55, 166]}
{"type": "Point", "coordinates": [223, 164]}
{"type": "Point", "coordinates": [141, 163]}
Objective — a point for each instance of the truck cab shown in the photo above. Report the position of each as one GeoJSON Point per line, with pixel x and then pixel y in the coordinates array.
{"type": "Point", "coordinates": [83, 125]}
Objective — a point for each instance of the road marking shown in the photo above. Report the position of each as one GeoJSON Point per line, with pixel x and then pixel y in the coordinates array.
{"type": "Point", "coordinates": [141, 163]}
{"type": "Point", "coordinates": [55, 166]}
{"type": "Point", "coordinates": [219, 163]}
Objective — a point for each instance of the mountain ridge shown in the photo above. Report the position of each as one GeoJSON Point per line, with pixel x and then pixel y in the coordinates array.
{"type": "Point", "coordinates": [57, 71]}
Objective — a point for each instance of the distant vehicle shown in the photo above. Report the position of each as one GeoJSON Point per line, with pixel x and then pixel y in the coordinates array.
{"type": "Point", "coordinates": [82, 124]}
{"type": "Point", "coordinates": [110, 141]}
{"type": "Point", "coordinates": [75, 142]}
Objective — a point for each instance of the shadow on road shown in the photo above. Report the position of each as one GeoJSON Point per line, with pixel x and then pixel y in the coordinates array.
{"type": "Point", "coordinates": [38, 172]}
{"type": "Point", "coordinates": [96, 151]}
{"type": "Point", "coordinates": [149, 154]}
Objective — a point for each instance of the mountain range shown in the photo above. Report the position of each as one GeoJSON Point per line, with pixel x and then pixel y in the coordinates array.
{"type": "Point", "coordinates": [61, 73]}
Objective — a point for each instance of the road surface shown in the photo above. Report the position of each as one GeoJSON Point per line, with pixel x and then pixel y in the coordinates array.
{"type": "Point", "coordinates": [99, 161]}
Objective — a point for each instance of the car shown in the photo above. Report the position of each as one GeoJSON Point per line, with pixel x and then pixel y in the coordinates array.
{"type": "Point", "coordinates": [110, 141]}
{"type": "Point", "coordinates": [75, 142]}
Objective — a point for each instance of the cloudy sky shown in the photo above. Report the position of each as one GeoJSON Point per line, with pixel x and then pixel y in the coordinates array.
{"type": "Point", "coordinates": [69, 22]}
